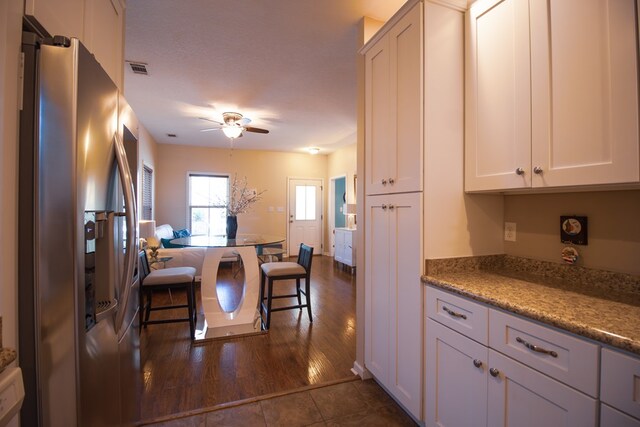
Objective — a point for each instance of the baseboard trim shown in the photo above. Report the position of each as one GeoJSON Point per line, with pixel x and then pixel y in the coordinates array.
{"type": "Point", "coordinates": [360, 371]}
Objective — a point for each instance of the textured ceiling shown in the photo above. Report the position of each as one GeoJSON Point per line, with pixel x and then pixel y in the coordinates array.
{"type": "Point", "coordinates": [288, 65]}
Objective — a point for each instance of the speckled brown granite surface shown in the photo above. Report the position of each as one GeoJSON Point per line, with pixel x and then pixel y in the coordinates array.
{"type": "Point", "coordinates": [596, 304]}
{"type": "Point", "coordinates": [7, 355]}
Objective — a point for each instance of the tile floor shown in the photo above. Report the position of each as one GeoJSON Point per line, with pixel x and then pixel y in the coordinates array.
{"type": "Point", "coordinates": [355, 403]}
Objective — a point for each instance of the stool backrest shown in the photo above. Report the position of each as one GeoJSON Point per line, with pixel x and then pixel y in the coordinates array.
{"type": "Point", "coordinates": [144, 266]}
{"type": "Point", "coordinates": [305, 256]}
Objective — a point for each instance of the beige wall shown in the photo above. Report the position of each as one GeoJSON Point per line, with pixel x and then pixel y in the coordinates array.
{"type": "Point", "coordinates": [10, 37]}
{"type": "Point", "coordinates": [614, 227]}
{"type": "Point", "coordinates": [343, 162]}
{"type": "Point", "coordinates": [264, 170]}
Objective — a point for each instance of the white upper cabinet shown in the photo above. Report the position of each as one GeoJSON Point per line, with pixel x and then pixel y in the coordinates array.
{"type": "Point", "coordinates": [498, 99]}
{"type": "Point", "coordinates": [104, 36]}
{"type": "Point", "coordinates": [58, 17]}
{"type": "Point", "coordinates": [393, 96]}
{"type": "Point", "coordinates": [552, 94]}
{"type": "Point", "coordinates": [99, 24]}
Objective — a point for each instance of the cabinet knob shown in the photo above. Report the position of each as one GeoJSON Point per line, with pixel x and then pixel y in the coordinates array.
{"type": "Point", "coordinates": [494, 372]}
{"type": "Point", "coordinates": [519, 171]}
{"type": "Point", "coordinates": [391, 207]}
{"type": "Point", "coordinates": [384, 181]}
{"type": "Point", "coordinates": [392, 181]}
{"type": "Point", "coordinates": [384, 207]}
{"type": "Point", "coordinates": [477, 363]}
{"type": "Point", "coordinates": [537, 170]}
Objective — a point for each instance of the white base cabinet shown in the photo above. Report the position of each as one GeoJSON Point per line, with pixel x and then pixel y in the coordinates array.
{"type": "Point", "coordinates": [620, 385]}
{"type": "Point", "coordinates": [345, 246]}
{"type": "Point", "coordinates": [469, 383]}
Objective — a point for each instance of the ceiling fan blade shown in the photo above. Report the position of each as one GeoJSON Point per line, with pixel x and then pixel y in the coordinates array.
{"type": "Point", "coordinates": [210, 120]}
{"type": "Point", "coordinates": [256, 130]}
{"type": "Point", "coordinates": [210, 129]}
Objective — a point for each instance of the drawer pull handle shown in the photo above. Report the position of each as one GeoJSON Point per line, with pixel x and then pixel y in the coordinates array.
{"type": "Point", "coordinates": [477, 363]}
{"type": "Point", "coordinates": [494, 372]}
{"type": "Point", "coordinates": [454, 314]}
{"type": "Point", "coordinates": [536, 348]}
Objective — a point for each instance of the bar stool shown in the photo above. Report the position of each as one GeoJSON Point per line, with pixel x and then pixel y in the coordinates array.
{"type": "Point", "coordinates": [282, 271]}
{"type": "Point", "coordinates": [166, 279]}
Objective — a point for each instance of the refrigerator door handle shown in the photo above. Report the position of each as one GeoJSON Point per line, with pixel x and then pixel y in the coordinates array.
{"type": "Point", "coordinates": [131, 221]}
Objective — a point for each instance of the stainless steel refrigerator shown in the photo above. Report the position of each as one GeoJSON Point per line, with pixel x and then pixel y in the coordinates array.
{"type": "Point", "coordinates": [78, 286]}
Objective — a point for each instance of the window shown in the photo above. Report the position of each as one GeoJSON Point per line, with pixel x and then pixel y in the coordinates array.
{"type": "Point", "coordinates": [207, 198]}
{"type": "Point", "coordinates": [147, 192]}
{"type": "Point", "coordinates": [305, 202]}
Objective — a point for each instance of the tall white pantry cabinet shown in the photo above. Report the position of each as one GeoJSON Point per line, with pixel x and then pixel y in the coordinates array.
{"type": "Point", "coordinates": [409, 63]}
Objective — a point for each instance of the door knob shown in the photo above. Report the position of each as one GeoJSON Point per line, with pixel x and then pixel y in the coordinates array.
{"type": "Point", "coordinates": [391, 181]}
{"type": "Point", "coordinates": [494, 372]}
{"type": "Point", "coordinates": [519, 171]}
{"type": "Point", "coordinates": [537, 170]}
{"type": "Point", "coordinates": [477, 363]}
{"type": "Point", "coordinates": [384, 181]}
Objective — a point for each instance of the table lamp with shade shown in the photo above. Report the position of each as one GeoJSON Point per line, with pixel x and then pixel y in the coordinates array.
{"type": "Point", "coordinates": [350, 212]}
{"type": "Point", "coordinates": [147, 230]}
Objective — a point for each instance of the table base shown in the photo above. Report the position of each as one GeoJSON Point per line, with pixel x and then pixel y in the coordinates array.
{"type": "Point", "coordinates": [245, 319]}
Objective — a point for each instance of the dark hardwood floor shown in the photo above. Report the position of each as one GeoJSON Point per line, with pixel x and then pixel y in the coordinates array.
{"type": "Point", "coordinates": [181, 376]}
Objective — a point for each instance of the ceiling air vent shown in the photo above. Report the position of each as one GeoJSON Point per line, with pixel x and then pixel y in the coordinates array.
{"type": "Point", "coordinates": [138, 68]}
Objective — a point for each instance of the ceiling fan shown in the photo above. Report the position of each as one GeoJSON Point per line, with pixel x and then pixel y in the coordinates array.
{"type": "Point", "coordinates": [233, 125]}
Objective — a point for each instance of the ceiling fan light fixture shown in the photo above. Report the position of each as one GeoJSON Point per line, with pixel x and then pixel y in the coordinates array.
{"type": "Point", "coordinates": [313, 150]}
{"type": "Point", "coordinates": [232, 131]}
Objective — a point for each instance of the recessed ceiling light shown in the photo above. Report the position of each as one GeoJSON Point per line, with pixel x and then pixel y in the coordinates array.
{"type": "Point", "coordinates": [313, 150]}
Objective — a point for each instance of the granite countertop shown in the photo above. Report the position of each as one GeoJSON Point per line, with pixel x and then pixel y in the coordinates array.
{"type": "Point", "coordinates": [596, 304]}
{"type": "Point", "coordinates": [7, 355]}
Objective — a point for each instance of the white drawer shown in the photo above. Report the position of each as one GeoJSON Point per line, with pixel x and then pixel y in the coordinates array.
{"type": "Point", "coordinates": [460, 314]}
{"type": "Point", "coordinates": [568, 359]}
{"type": "Point", "coordinates": [610, 417]}
{"type": "Point", "coordinates": [620, 381]}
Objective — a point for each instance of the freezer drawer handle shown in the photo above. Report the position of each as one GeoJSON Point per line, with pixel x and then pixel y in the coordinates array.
{"type": "Point", "coordinates": [454, 314]}
{"type": "Point", "coordinates": [536, 348]}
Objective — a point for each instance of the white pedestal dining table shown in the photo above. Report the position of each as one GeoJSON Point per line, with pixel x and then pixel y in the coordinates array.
{"type": "Point", "coordinates": [245, 318]}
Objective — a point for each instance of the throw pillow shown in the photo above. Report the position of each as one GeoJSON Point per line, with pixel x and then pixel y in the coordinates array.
{"type": "Point", "coordinates": [181, 233]}
{"type": "Point", "coordinates": [166, 243]}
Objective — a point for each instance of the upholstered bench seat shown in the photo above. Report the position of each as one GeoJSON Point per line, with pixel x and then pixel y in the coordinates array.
{"type": "Point", "coordinates": [170, 275]}
{"type": "Point", "coordinates": [282, 268]}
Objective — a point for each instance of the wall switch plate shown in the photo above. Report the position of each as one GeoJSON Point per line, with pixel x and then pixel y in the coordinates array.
{"type": "Point", "coordinates": [510, 231]}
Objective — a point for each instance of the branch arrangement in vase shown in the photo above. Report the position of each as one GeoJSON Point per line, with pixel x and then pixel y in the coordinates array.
{"type": "Point", "coordinates": [240, 197]}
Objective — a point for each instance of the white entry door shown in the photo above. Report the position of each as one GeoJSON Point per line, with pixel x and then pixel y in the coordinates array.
{"type": "Point", "coordinates": [305, 215]}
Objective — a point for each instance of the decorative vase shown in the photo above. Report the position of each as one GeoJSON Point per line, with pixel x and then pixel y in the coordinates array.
{"type": "Point", "coordinates": [232, 227]}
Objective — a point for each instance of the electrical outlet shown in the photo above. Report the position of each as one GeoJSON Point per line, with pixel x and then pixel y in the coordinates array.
{"type": "Point", "coordinates": [510, 231]}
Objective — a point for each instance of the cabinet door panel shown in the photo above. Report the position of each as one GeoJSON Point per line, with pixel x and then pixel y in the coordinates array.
{"type": "Point", "coordinates": [405, 43]}
{"type": "Point", "coordinates": [610, 417]}
{"type": "Point", "coordinates": [377, 296]}
{"type": "Point", "coordinates": [620, 381]}
{"type": "Point", "coordinates": [60, 17]}
{"type": "Point", "coordinates": [520, 396]}
{"type": "Point", "coordinates": [103, 36]}
{"type": "Point", "coordinates": [405, 303]}
{"type": "Point", "coordinates": [378, 128]}
{"type": "Point", "coordinates": [498, 107]}
{"type": "Point", "coordinates": [455, 389]}
{"type": "Point", "coordinates": [584, 92]}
